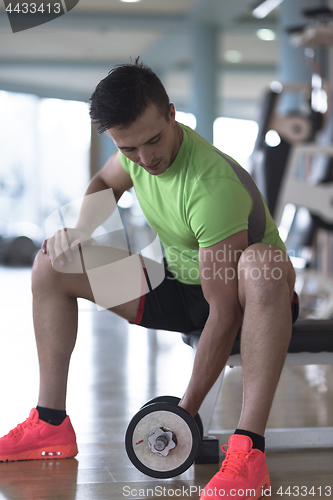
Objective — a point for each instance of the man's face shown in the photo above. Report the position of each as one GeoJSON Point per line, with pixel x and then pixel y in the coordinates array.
{"type": "Point", "coordinates": [151, 141]}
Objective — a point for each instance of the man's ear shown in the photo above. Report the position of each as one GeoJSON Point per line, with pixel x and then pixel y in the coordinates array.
{"type": "Point", "coordinates": [172, 112]}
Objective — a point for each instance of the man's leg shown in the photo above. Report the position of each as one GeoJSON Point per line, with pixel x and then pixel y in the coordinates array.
{"type": "Point", "coordinates": [55, 314]}
{"type": "Point", "coordinates": [48, 432]}
{"type": "Point", "coordinates": [266, 287]}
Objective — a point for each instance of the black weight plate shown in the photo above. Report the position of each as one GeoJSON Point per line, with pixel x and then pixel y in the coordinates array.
{"type": "Point", "coordinates": [199, 423]}
{"type": "Point", "coordinates": [173, 400]}
{"type": "Point", "coordinates": [192, 430]}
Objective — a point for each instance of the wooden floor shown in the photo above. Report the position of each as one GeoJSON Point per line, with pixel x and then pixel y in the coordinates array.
{"type": "Point", "coordinates": [115, 369]}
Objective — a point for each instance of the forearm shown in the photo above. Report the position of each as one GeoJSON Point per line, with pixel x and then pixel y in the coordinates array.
{"type": "Point", "coordinates": [224, 320]}
{"type": "Point", "coordinates": [212, 353]}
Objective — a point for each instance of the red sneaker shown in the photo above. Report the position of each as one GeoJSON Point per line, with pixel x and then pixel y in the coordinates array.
{"type": "Point", "coordinates": [35, 439]}
{"type": "Point", "coordinates": [243, 475]}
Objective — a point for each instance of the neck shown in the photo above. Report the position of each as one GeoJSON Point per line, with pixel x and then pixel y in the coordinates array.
{"type": "Point", "coordinates": [178, 140]}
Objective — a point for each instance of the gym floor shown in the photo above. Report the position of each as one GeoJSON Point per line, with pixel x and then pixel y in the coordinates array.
{"type": "Point", "coordinates": [116, 368]}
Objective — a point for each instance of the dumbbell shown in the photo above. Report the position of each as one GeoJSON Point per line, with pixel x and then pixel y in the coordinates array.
{"type": "Point", "coordinates": [162, 439]}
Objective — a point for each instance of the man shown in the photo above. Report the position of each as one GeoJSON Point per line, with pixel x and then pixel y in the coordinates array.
{"type": "Point", "coordinates": [226, 266]}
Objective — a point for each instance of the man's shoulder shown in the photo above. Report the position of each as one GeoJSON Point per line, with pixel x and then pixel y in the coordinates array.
{"type": "Point", "coordinates": [205, 154]}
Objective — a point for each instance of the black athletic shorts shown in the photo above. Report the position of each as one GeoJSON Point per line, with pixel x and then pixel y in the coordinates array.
{"type": "Point", "coordinates": [179, 307]}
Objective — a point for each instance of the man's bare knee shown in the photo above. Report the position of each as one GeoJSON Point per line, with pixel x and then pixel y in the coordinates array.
{"type": "Point", "coordinates": [43, 274]}
{"type": "Point", "coordinates": [264, 270]}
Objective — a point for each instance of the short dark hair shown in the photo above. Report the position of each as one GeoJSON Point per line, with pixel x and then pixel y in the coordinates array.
{"type": "Point", "coordinates": [124, 94]}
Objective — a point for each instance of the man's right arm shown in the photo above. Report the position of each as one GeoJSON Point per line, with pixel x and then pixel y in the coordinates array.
{"type": "Point", "coordinates": [111, 176]}
{"type": "Point", "coordinates": [94, 210]}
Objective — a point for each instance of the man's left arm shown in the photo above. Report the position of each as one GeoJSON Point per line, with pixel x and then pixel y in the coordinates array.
{"type": "Point", "coordinates": [218, 273]}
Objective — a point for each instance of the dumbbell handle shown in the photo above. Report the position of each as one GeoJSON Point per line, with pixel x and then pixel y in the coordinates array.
{"type": "Point", "coordinates": [161, 443]}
